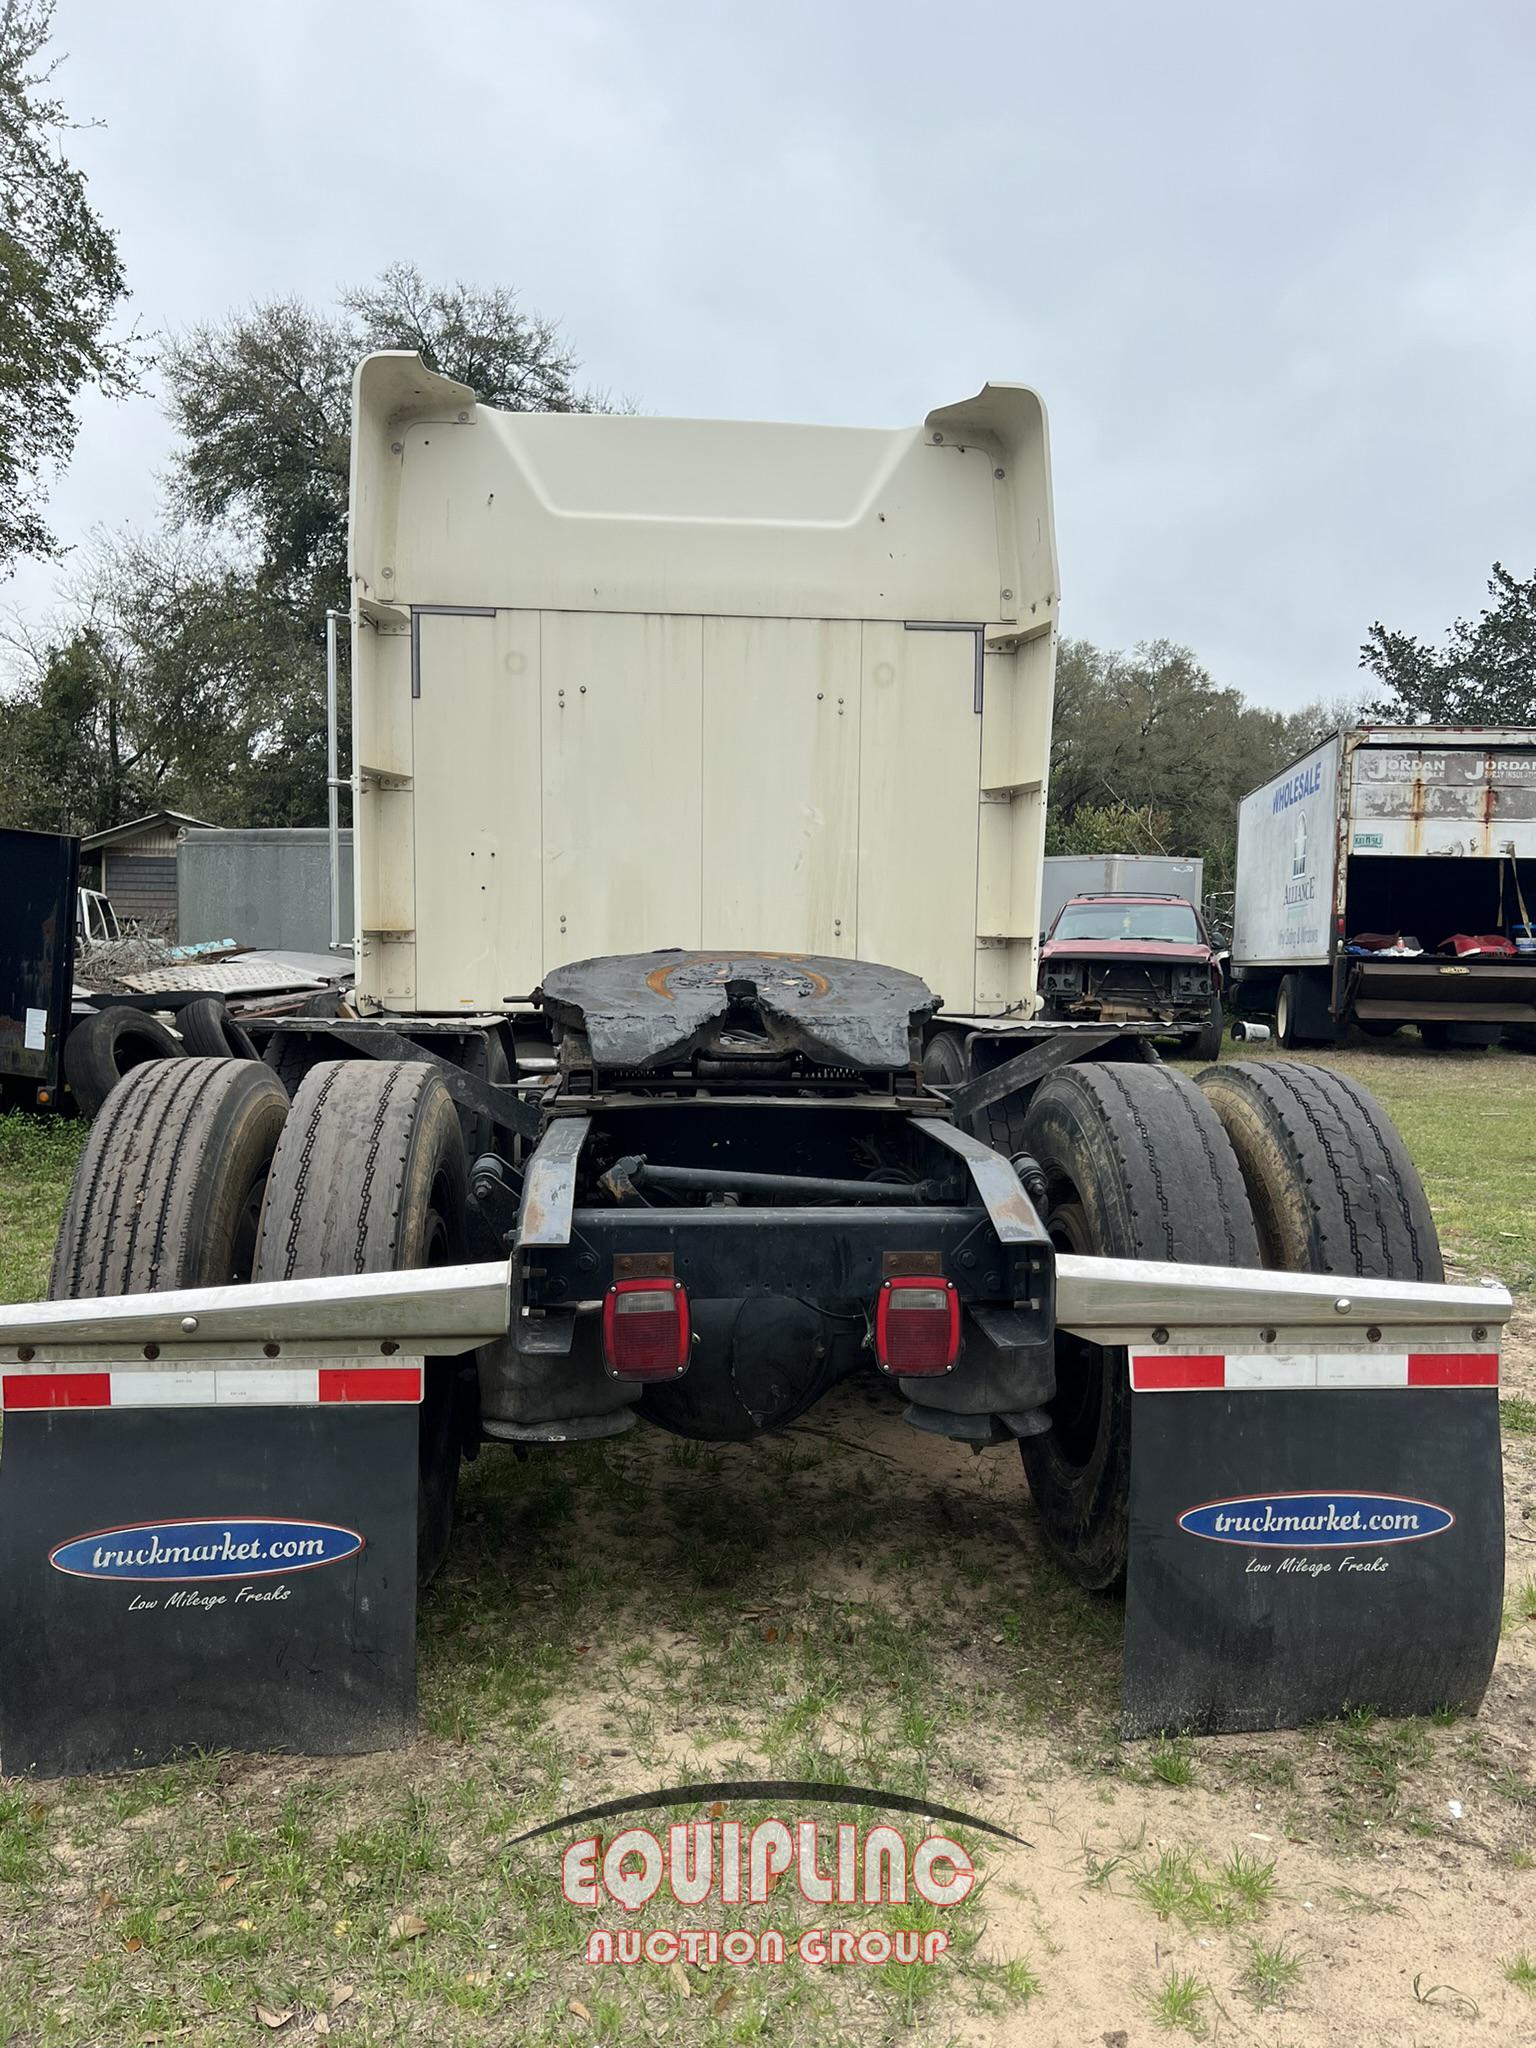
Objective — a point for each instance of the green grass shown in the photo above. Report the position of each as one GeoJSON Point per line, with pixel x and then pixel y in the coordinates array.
{"type": "Point", "coordinates": [1172, 1763]}
{"type": "Point", "coordinates": [1465, 1118]}
{"type": "Point", "coordinates": [1249, 1882]}
{"type": "Point", "coordinates": [37, 1159]}
{"type": "Point", "coordinates": [1271, 1974]}
{"type": "Point", "coordinates": [642, 1612]}
{"type": "Point", "coordinates": [1521, 1970]}
{"type": "Point", "coordinates": [1179, 2002]}
{"type": "Point", "coordinates": [1466, 1123]}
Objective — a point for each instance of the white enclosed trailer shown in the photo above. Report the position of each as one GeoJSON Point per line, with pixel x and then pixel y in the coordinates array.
{"type": "Point", "coordinates": [1066, 875]}
{"type": "Point", "coordinates": [1407, 833]}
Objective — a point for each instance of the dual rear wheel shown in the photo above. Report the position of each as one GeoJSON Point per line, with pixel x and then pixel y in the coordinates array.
{"type": "Point", "coordinates": [200, 1173]}
{"type": "Point", "coordinates": [1289, 1166]}
{"type": "Point", "coordinates": [369, 1177]}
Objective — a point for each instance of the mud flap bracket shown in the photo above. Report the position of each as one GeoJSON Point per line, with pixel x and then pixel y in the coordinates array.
{"type": "Point", "coordinates": [208, 1508]}
{"type": "Point", "coordinates": [1316, 1506]}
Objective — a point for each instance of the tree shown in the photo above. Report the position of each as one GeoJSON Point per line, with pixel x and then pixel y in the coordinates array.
{"type": "Point", "coordinates": [66, 762]}
{"type": "Point", "coordinates": [1307, 728]}
{"type": "Point", "coordinates": [481, 338]}
{"type": "Point", "coordinates": [1485, 674]}
{"type": "Point", "coordinates": [1107, 828]}
{"type": "Point", "coordinates": [188, 669]}
{"type": "Point", "coordinates": [170, 680]}
{"type": "Point", "coordinates": [1150, 744]}
{"type": "Point", "coordinates": [61, 280]}
{"type": "Point", "coordinates": [263, 402]}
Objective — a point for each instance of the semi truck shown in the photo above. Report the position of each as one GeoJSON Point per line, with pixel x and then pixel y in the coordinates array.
{"type": "Point", "coordinates": [1386, 879]}
{"type": "Point", "coordinates": [694, 1066]}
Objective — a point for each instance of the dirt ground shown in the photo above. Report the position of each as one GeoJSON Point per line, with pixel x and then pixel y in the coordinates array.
{"type": "Point", "coordinates": [849, 1602]}
{"type": "Point", "coordinates": [1401, 1891]}
{"type": "Point", "coordinates": [657, 1613]}
{"type": "Point", "coordinates": [1403, 1881]}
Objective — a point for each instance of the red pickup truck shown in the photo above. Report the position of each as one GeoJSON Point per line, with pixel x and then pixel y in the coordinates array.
{"type": "Point", "coordinates": [1126, 959]}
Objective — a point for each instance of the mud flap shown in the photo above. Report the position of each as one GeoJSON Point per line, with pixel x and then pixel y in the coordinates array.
{"type": "Point", "coordinates": [1310, 1534]}
{"type": "Point", "coordinates": [209, 1574]}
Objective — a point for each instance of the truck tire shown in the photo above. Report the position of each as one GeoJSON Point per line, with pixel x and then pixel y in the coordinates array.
{"type": "Point", "coordinates": [480, 1133]}
{"type": "Point", "coordinates": [101, 1049]}
{"type": "Point", "coordinates": [1137, 1166]}
{"type": "Point", "coordinates": [1441, 1037]}
{"type": "Point", "coordinates": [1331, 1186]}
{"type": "Point", "coordinates": [169, 1187]}
{"type": "Point", "coordinates": [1302, 1016]}
{"type": "Point", "coordinates": [207, 1029]}
{"type": "Point", "coordinates": [1207, 1044]}
{"type": "Point", "coordinates": [944, 1061]}
{"type": "Point", "coordinates": [370, 1178]}
{"type": "Point", "coordinates": [1288, 1013]}
{"type": "Point", "coordinates": [293, 1054]}
{"type": "Point", "coordinates": [1000, 1124]}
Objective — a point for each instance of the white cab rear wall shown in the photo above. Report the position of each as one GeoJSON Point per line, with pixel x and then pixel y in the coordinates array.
{"type": "Point", "coordinates": [628, 683]}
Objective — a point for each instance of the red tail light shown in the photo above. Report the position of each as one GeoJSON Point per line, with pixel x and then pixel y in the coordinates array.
{"type": "Point", "coordinates": [917, 1325]}
{"type": "Point", "coordinates": [646, 1329]}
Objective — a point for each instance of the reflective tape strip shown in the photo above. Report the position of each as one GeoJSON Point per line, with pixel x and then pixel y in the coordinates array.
{"type": "Point", "coordinates": [1256, 1371]}
{"type": "Point", "coordinates": [348, 1383]}
{"type": "Point", "coordinates": [1453, 1368]}
{"type": "Point", "coordinates": [1317, 1369]}
{"type": "Point", "coordinates": [223, 1386]}
{"type": "Point", "coordinates": [56, 1390]}
{"type": "Point", "coordinates": [1165, 1375]}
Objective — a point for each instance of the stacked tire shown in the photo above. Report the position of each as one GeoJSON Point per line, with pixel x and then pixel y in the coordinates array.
{"type": "Point", "coordinates": [111, 1043]}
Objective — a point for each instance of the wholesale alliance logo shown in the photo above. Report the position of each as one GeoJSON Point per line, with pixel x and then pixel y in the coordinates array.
{"type": "Point", "coordinates": [719, 1863]}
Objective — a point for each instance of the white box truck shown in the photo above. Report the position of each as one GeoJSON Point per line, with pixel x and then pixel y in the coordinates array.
{"type": "Point", "coordinates": [1366, 868]}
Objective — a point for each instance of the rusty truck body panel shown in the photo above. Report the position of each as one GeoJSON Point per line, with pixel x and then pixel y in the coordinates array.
{"type": "Point", "coordinates": [1418, 833]}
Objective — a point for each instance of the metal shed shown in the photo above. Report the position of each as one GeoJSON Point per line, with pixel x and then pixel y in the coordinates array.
{"type": "Point", "coordinates": [137, 864]}
{"type": "Point", "coordinates": [268, 887]}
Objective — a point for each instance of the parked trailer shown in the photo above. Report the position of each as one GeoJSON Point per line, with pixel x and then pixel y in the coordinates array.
{"type": "Point", "coordinates": [667, 735]}
{"type": "Point", "coordinates": [40, 872]}
{"type": "Point", "coordinates": [1422, 832]}
{"type": "Point", "coordinates": [1065, 875]}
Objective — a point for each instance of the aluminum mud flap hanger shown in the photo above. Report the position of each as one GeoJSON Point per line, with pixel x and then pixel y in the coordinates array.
{"type": "Point", "coordinates": [1316, 1498]}
{"type": "Point", "coordinates": [208, 1515]}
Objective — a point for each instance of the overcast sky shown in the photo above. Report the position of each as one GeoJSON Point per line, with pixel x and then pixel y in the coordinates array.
{"type": "Point", "coordinates": [1272, 267]}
